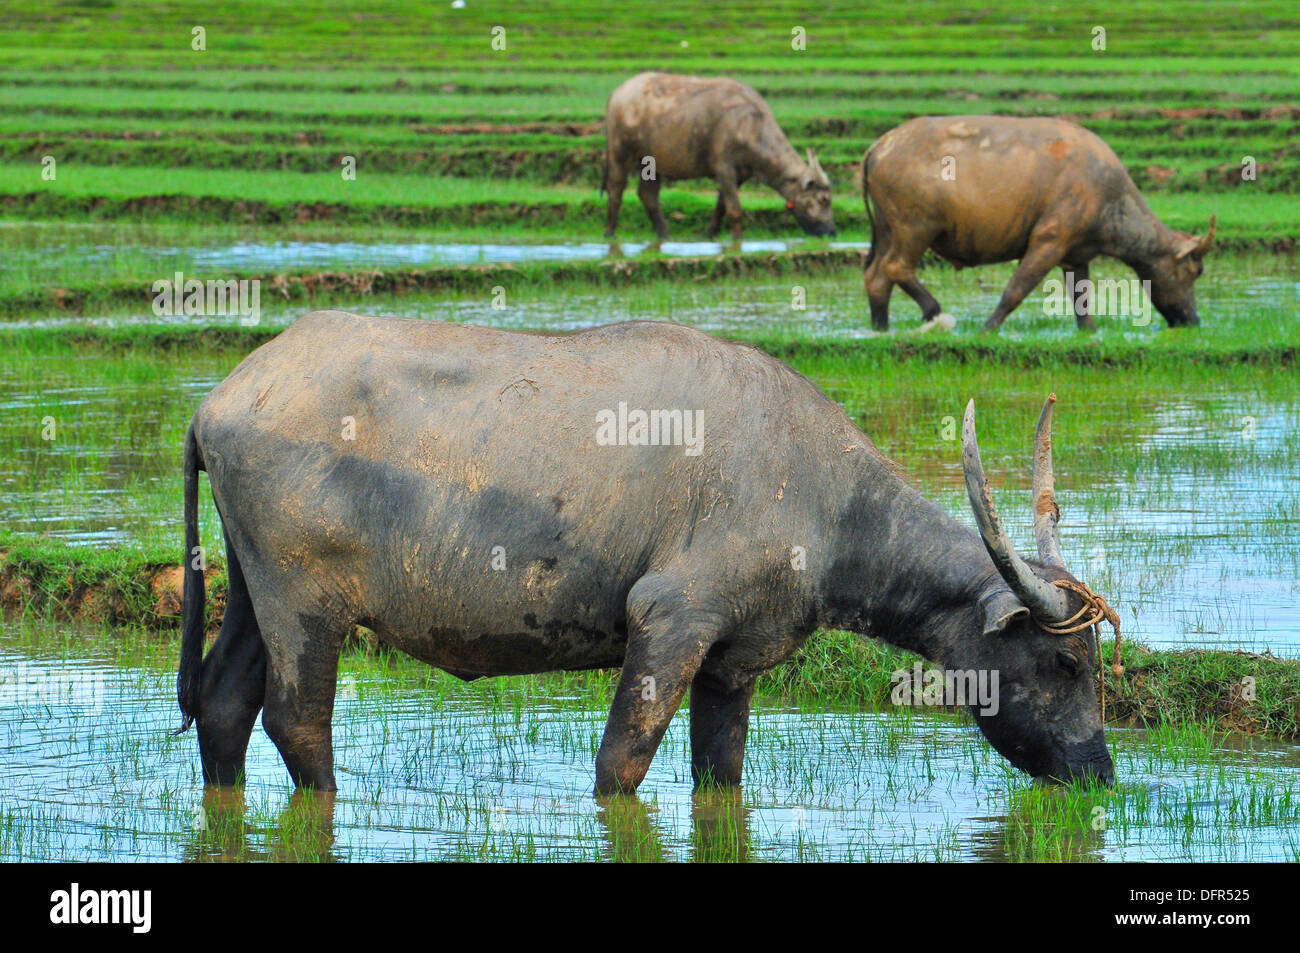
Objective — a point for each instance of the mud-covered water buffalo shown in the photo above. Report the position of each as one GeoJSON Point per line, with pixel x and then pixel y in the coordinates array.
{"type": "Point", "coordinates": [660, 127]}
{"type": "Point", "coordinates": [982, 189]}
{"type": "Point", "coordinates": [638, 495]}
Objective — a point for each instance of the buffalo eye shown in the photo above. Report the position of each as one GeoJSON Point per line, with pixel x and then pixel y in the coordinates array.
{"type": "Point", "coordinates": [1068, 662]}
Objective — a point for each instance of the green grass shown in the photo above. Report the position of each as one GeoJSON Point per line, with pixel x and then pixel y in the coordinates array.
{"type": "Point", "coordinates": [841, 35]}
{"type": "Point", "coordinates": [252, 129]}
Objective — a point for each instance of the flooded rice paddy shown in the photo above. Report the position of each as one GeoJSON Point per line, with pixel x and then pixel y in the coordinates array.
{"type": "Point", "coordinates": [430, 769]}
{"type": "Point", "coordinates": [1180, 502]}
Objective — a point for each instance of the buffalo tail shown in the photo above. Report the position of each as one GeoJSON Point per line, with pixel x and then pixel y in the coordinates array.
{"type": "Point", "coordinates": [193, 592]}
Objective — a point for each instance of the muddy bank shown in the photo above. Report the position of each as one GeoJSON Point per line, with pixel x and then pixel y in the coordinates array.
{"type": "Point", "coordinates": [57, 581]}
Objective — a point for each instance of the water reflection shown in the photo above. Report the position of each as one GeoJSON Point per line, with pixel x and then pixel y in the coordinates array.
{"type": "Point", "coordinates": [443, 770]}
{"type": "Point", "coordinates": [255, 257]}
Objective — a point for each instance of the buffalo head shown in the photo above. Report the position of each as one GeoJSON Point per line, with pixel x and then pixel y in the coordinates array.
{"type": "Point", "coordinates": [808, 197]}
{"type": "Point", "coordinates": [1047, 721]}
{"type": "Point", "coordinates": [1174, 272]}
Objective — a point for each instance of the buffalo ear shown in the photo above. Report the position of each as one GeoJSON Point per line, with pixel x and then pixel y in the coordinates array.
{"type": "Point", "coordinates": [1188, 246]}
{"type": "Point", "coordinates": [999, 609]}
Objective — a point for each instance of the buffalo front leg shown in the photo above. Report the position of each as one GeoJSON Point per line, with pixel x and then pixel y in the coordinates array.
{"type": "Point", "coordinates": [1033, 268]}
{"type": "Point", "coordinates": [648, 191]}
{"type": "Point", "coordinates": [664, 651]}
{"type": "Point", "coordinates": [715, 220]}
{"type": "Point", "coordinates": [231, 685]}
{"type": "Point", "coordinates": [719, 723]}
{"type": "Point", "coordinates": [1082, 301]}
{"type": "Point", "coordinates": [301, 674]}
{"type": "Point", "coordinates": [729, 196]}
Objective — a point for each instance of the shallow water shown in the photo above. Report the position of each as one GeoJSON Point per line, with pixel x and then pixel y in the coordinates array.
{"type": "Point", "coordinates": [70, 255]}
{"type": "Point", "coordinates": [429, 768]}
{"type": "Point", "coordinates": [244, 257]}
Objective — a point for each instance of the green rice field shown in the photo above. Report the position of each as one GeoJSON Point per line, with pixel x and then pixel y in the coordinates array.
{"type": "Point", "coordinates": [395, 160]}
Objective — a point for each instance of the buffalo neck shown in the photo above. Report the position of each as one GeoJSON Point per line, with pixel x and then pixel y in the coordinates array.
{"type": "Point", "coordinates": [1133, 234]}
{"type": "Point", "coordinates": [905, 571]}
{"type": "Point", "coordinates": [777, 165]}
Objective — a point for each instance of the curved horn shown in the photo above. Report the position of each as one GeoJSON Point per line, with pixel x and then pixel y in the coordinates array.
{"type": "Point", "coordinates": [1044, 600]}
{"type": "Point", "coordinates": [1046, 513]}
{"type": "Point", "coordinates": [1206, 243]}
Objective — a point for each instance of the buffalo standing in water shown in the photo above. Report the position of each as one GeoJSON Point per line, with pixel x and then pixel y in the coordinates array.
{"type": "Point", "coordinates": [982, 189]}
{"type": "Point", "coordinates": [466, 494]}
{"type": "Point", "coordinates": [695, 128]}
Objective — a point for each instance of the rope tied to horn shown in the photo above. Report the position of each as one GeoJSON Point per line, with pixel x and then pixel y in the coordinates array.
{"type": "Point", "coordinates": [1094, 611]}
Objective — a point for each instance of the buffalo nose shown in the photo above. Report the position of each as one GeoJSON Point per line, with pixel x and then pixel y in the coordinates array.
{"type": "Point", "coordinates": [1100, 771]}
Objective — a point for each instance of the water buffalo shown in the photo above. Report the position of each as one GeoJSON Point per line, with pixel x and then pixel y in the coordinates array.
{"type": "Point", "coordinates": [663, 127]}
{"type": "Point", "coordinates": [981, 189]}
{"type": "Point", "coordinates": [639, 495]}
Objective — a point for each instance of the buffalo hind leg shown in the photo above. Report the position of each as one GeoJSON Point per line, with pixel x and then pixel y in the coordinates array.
{"type": "Point", "coordinates": [615, 184]}
{"type": "Point", "coordinates": [301, 675]}
{"type": "Point", "coordinates": [918, 293]}
{"type": "Point", "coordinates": [231, 685]}
{"type": "Point", "coordinates": [719, 723]}
{"type": "Point", "coordinates": [1033, 268]}
{"type": "Point", "coordinates": [648, 190]}
{"type": "Point", "coordinates": [667, 642]}
{"type": "Point", "coordinates": [878, 288]}
{"type": "Point", "coordinates": [893, 262]}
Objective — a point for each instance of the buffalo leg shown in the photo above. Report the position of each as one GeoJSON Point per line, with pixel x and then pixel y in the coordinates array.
{"type": "Point", "coordinates": [719, 723]}
{"type": "Point", "coordinates": [1081, 315]}
{"type": "Point", "coordinates": [715, 220]}
{"type": "Point", "coordinates": [893, 262]}
{"type": "Point", "coordinates": [1033, 268]}
{"type": "Point", "coordinates": [301, 674]}
{"type": "Point", "coordinates": [232, 682]}
{"type": "Point", "coordinates": [648, 190]}
{"type": "Point", "coordinates": [918, 293]}
{"type": "Point", "coordinates": [730, 194]}
{"type": "Point", "coordinates": [616, 183]}
{"type": "Point", "coordinates": [667, 643]}
{"type": "Point", "coordinates": [878, 288]}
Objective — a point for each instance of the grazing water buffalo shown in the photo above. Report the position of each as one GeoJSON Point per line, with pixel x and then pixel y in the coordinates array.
{"type": "Point", "coordinates": [980, 189]}
{"type": "Point", "coordinates": [638, 495]}
{"type": "Point", "coordinates": [693, 128]}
